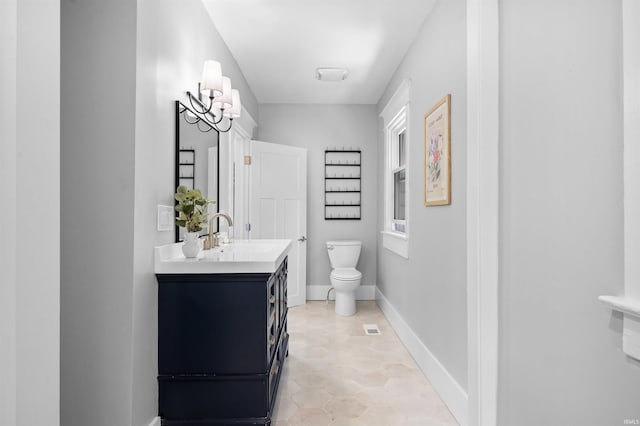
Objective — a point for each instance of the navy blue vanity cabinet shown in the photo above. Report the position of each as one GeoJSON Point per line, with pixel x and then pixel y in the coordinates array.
{"type": "Point", "coordinates": [222, 342]}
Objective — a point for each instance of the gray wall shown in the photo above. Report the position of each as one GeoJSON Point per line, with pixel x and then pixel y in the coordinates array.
{"type": "Point", "coordinates": [8, 178]}
{"type": "Point", "coordinates": [129, 63]}
{"type": "Point", "coordinates": [97, 157]}
{"type": "Point", "coordinates": [429, 289]}
{"type": "Point", "coordinates": [562, 216]}
{"type": "Point", "coordinates": [316, 127]}
{"type": "Point", "coordinates": [174, 40]}
{"type": "Point", "coordinates": [30, 226]}
{"type": "Point", "coordinates": [123, 65]}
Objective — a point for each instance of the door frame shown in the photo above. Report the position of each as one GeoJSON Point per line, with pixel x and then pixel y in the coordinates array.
{"type": "Point", "coordinates": [234, 145]}
{"type": "Point", "coordinates": [483, 136]}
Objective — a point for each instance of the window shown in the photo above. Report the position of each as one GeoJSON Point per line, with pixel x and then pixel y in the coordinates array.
{"type": "Point", "coordinates": [395, 235]}
{"type": "Point", "coordinates": [399, 170]}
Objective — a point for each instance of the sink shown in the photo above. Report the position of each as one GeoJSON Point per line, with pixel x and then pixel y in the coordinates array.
{"type": "Point", "coordinates": [241, 256]}
{"type": "Point", "coordinates": [248, 248]}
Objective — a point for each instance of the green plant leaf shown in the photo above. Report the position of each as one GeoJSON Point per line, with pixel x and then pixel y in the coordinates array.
{"type": "Point", "coordinates": [192, 209]}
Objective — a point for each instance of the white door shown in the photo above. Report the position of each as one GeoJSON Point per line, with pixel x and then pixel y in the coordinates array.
{"type": "Point", "coordinates": [278, 206]}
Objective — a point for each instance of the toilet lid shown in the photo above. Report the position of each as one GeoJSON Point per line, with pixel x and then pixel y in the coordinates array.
{"type": "Point", "coordinates": [346, 274]}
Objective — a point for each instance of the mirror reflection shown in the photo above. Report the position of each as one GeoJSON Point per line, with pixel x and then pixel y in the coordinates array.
{"type": "Point", "coordinates": [197, 160]}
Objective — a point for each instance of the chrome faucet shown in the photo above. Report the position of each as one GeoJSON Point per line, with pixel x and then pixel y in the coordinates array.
{"type": "Point", "coordinates": [212, 240]}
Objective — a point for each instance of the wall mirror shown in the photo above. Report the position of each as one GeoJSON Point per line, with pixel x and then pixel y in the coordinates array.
{"type": "Point", "coordinates": [197, 160]}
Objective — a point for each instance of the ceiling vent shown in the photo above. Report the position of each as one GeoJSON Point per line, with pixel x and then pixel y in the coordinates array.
{"type": "Point", "coordinates": [331, 74]}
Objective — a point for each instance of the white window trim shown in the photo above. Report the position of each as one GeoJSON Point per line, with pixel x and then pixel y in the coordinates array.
{"type": "Point", "coordinates": [395, 117]}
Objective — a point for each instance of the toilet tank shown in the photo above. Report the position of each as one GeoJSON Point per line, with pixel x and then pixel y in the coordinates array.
{"type": "Point", "coordinates": [344, 253]}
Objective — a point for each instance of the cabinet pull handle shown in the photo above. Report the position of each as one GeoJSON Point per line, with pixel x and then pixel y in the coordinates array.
{"type": "Point", "coordinates": [272, 340]}
{"type": "Point", "coordinates": [272, 300]}
{"type": "Point", "coordinates": [275, 371]}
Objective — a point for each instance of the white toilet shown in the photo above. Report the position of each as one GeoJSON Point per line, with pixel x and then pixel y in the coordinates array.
{"type": "Point", "coordinates": [345, 278]}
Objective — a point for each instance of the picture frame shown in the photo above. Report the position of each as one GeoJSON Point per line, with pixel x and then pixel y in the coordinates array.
{"type": "Point", "coordinates": [437, 154]}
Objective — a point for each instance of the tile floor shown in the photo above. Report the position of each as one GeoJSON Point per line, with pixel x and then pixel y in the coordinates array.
{"type": "Point", "coordinates": [336, 375]}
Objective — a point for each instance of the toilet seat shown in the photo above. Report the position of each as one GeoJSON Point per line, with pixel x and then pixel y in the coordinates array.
{"type": "Point", "coordinates": [346, 274]}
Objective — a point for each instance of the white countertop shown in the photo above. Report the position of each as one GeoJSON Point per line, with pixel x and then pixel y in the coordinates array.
{"type": "Point", "coordinates": [241, 256]}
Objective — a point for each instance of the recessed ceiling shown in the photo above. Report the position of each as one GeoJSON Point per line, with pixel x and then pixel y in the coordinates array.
{"type": "Point", "coordinates": [279, 44]}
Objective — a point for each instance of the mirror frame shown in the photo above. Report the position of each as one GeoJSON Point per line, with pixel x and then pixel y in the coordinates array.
{"type": "Point", "coordinates": [180, 108]}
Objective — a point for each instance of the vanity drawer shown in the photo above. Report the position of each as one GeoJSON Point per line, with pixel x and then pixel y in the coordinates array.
{"type": "Point", "coordinates": [273, 375]}
{"type": "Point", "coordinates": [277, 365]}
{"type": "Point", "coordinates": [272, 336]}
{"type": "Point", "coordinates": [282, 292]}
{"type": "Point", "coordinates": [272, 300]}
{"type": "Point", "coordinates": [279, 275]}
{"type": "Point", "coordinates": [205, 397]}
{"type": "Point", "coordinates": [284, 302]}
{"type": "Point", "coordinates": [212, 327]}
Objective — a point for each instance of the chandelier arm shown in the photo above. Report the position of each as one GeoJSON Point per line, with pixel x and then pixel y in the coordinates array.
{"type": "Point", "coordinates": [201, 109]}
{"type": "Point", "coordinates": [218, 121]}
{"type": "Point", "coordinates": [185, 115]}
{"type": "Point", "coordinates": [227, 129]}
{"type": "Point", "coordinates": [215, 123]}
{"type": "Point", "coordinates": [215, 120]}
{"type": "Point", "coordinates": [203, 112]}
{"type": "Point", "coordinates": [200, 128]}
{"type": "Point", "coordinates": [208, 111]}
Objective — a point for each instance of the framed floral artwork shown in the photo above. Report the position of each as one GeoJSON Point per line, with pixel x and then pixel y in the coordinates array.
{"type": "Point", "coordinates": [437, 154]}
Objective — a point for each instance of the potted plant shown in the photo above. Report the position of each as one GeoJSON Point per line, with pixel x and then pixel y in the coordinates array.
{"type": "Point", "coordinates": [192, 216]}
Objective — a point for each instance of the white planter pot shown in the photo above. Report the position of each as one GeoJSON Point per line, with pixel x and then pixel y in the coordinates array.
{"type": "Point", "coordinates": [191, 247]}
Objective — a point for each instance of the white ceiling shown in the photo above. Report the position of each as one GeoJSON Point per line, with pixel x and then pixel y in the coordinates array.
{"type": "Point", "coordinates": [278, 45]}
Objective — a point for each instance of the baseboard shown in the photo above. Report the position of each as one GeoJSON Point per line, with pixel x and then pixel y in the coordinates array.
{"type": "Point", "coordinates": [453, 395]}
{"type": "Point", "coordinates": [319, 292]}
{"type": "Point", "coordinates": [155, 422]}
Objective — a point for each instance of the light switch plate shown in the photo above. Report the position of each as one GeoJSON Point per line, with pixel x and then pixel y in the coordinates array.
{"type": "Point", "coordinates": [165, 218]}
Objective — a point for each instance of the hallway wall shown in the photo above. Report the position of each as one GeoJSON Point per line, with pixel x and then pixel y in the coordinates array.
{"type": "Point", "coordinates": [429, 289]}
{"type": "Point", "coordinates": [561, 216]}
{"type": "Point", "coordinates": [30, 226]}
{"type": "Point", "coordinates": [98, 48]}
{"type": "Point", "coordinates": [315, 127]}
{"type": "Point", "coordinates": [8, 178]}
